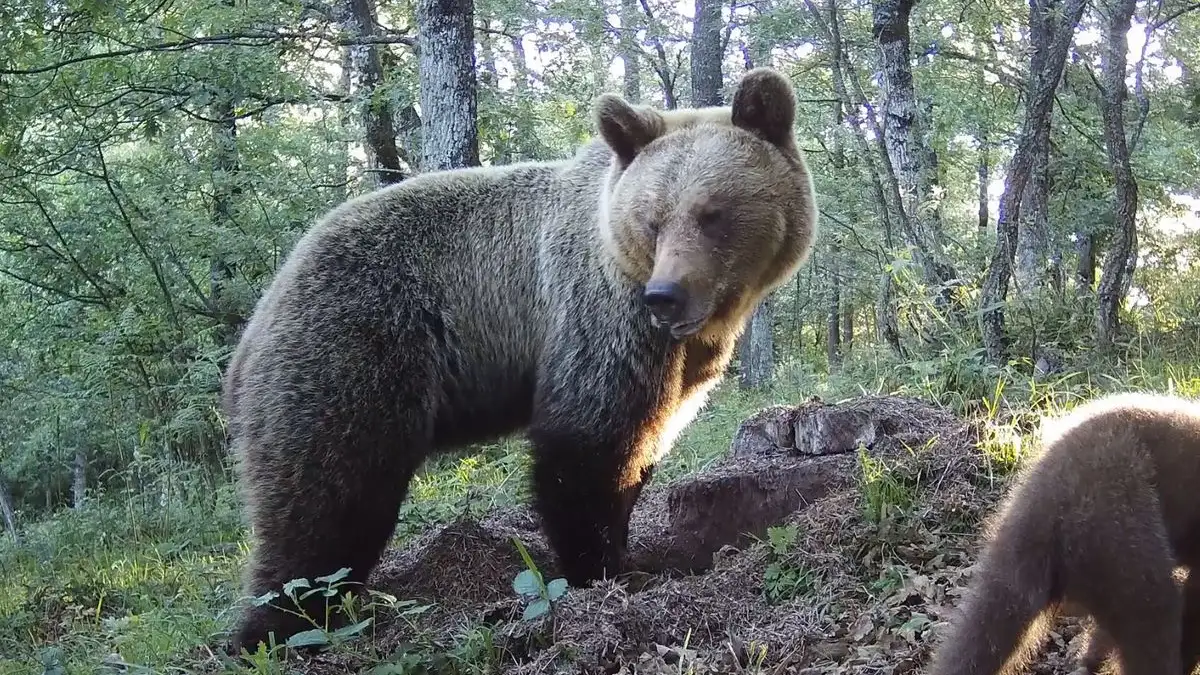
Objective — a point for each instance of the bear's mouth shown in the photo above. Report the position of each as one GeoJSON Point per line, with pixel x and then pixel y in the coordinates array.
{"type": "Point", "coordinates": [680, 329]}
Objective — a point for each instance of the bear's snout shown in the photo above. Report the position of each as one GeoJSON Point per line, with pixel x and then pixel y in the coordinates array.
{"type": "Point", "coordinates": [666, 300]}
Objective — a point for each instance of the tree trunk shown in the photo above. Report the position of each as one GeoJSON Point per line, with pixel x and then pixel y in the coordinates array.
{"type": "Point", "coordinates": [833, 316]}
{"type": "Point", "coordinates": [1113, 92]}
{"type": "Point", "coordinates": [446, 69]}
{"type": "Point", "coordinates": [706, 54]}
{"type": "Point", "coordinates": [887, 323]}
{"type": "Point", "coordinates": [79, 479]}
{"type": "Point", "coordinates": [226, 191]}
{"type": "Point", "coordinates": [757, 349]}
{"type": "Point", "coordinates": [1085, 262]}
{"type": "Point", "coordinates": [912, 157]}
{"type": "Point", "coordinates": [847, 326]}
{"type": "Point", "coordinates": [383, 158]}
{"type": "Point", "coordinates": [630, 50]}
{"type": "Point", "coordinates": [1033, 239]}
{"type": "Point", "coordinates": [1051, 54]}
{"type": "Point", "coordinates": [8, 510]}
{"type": "Point", "coordinates": [981, 171]}
{"type": "Point", "coordinates": [346, 123]}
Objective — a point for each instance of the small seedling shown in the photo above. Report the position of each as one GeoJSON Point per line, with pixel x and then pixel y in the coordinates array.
{"type": "Point", "coordinates": [784, 579]}
{"type": "Point", "coordinates": [530, 584]}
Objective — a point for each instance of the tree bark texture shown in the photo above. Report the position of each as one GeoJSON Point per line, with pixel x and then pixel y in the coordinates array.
{"type": "Point", "coordinates": [446, 69]}
{"type": "Point", "coordinates": [1050, 53]}
{"type": "Point", "coordinates": [366, 68]}
{"type": "Point", "coordinates": [1117, 267]}
{"type": "Point", "coordinates": [1033, 238]}
{"type": "Point", "coordinates": [79, 479]}
{"type": "Point", "coordinates": [631, 52]}
{"type": "Point", "coordinates": [905, 135]}
{"type": "Point", "coordinates": [706, 54]}
{"type": "Point", "coordinates": [982, 170]}
{"type": "Point", "coordinates": [757, 350]}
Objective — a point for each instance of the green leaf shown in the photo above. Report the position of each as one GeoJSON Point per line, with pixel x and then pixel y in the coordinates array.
{"type": "Point", "coordinates": [308, 638]}
{"type": "Point", "coordinates": [348, 631]}
{"type": "Point", "coordinates": [528, 583]}
{"type": "Point", "coordinates": [264, 598]}
{"type": "Point", "coordinates": [536, 608]}
{"type": "Point", "coordinates": [290, 587]}
{"type": "Point", "coordinates": [335, 577]}
{"type": "Point", "coordinates": [556, 588]}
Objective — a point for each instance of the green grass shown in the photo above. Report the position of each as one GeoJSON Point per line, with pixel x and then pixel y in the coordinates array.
{"type": "Point", "coordinates": [155, 583]}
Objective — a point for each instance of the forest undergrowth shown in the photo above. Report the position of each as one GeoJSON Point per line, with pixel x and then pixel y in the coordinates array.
{"type": "Point", "coordinates": [140, 583]}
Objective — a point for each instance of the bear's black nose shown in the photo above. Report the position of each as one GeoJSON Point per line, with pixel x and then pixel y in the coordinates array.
{"type": "Point", "coordinates": [666, 300]}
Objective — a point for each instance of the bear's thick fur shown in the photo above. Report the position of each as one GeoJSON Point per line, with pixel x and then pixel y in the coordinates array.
{"type": "Point", "coordinates": [592, 301]}
{"type": "Point", "coordinates": [1095, 526]}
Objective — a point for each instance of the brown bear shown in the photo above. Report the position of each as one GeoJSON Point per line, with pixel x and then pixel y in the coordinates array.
{"type": "Point", "coordinates": [592, 302]}
{"type": "Point", "coordinates": [1095, 526]}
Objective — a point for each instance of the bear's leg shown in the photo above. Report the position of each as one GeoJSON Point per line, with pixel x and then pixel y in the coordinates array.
{"type": "Point", "coordinates": [584, 491]}
{"type": "Point", "coordinates": [324, 474]}
{"type": "Point", "coordinates": [347, 521]}
{"type": "Point", "coordinates": [1129, 588]}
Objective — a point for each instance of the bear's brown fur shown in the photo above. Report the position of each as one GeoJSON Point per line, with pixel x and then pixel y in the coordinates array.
{"type": "Point", "coordinates": [593, 302]}
{"type": "Point", "coordinates": [1095, 526]}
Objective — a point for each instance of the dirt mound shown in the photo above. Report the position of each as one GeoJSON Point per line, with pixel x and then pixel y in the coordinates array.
{"type": "Point", "coordinates": [876, 502]}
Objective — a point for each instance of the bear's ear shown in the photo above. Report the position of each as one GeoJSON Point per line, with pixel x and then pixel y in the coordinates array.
{"type": "Point", "coordinates": [765, 104]}
{"type": "Point", "coordinates": [624, 127]}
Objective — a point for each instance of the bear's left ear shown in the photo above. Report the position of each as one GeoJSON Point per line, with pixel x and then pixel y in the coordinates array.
{"type": "Point", "coordinates": [625, 128]}
{"type": "Point", "coordinates": [765, 104]}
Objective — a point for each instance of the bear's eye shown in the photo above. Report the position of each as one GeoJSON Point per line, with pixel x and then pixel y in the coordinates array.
{"type": "Point", "coordinates": [710, 218]}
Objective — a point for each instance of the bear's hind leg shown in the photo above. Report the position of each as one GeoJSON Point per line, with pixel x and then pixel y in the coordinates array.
{"type": "Point", "coordinates": [315, 531]}
{"type": "Point", "coordinates": [324, 467]}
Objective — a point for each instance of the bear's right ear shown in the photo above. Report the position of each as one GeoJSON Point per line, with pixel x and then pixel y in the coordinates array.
{"type": "Point", "coordinates": [765, 104]}
{"type": "Point", "coordinates": [625, 128]}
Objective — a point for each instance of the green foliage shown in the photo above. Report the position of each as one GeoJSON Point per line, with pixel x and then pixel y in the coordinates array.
{"type": "Point", "coordinates": [784, 578]}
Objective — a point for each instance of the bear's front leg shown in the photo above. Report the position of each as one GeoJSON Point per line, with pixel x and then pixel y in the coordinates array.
{"type": "Point", "coordinates": [585, 486]}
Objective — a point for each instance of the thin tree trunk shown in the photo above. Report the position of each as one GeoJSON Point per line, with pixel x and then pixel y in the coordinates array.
{"type": "Point", "coordinates": [847, 326]}
{"type": "Point", "coordinates": [887, 323]}
{"type": "Point", "coordinates": [345, 122]}
{"type": "Point", "coordinates": [981, 172]}
{"type": "Point", "coordinates": [706, 54]}
{"type": "Point", "coordinates": [79, 479]}
{"type": "Point", "coordinates": [1052, 52]}
{"type": "Point", "coordinates": [8, 510]}
{"type": "Point", "coordinates": [1033, 238]}
{"type": "Point", "coordinates": [1085, 262]}
{"type": "Point", "coordinates": [631, 52]}
{"type": "Point", "coordinates": [446, 69]}
{"type": "Point", "coordinates": [662, 66]}
{"type": "Point", "coordinates": [383, 157]}
{"type": "Point", "coordinates": [833, 315]}
{"type": "Point", "coordinates": [1117, 267]}
{"type": "Point", "coordinates": [226, 191]}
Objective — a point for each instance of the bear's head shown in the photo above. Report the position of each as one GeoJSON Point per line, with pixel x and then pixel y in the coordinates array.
{"type": "Point", "coordinates": [709, 209]}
